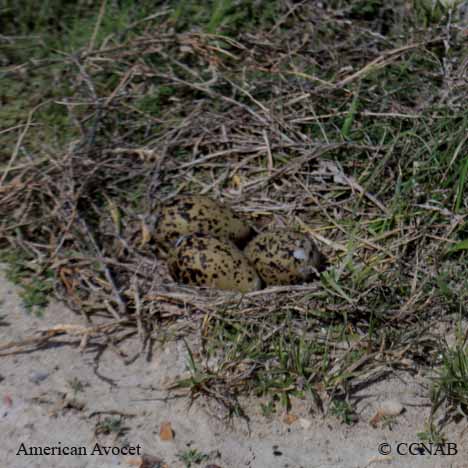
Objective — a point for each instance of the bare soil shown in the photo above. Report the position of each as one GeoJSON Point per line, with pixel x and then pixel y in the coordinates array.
{"type": "Point", "coordinates": [39, 408]}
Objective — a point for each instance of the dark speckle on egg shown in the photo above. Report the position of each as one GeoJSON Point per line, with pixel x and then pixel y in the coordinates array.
{"type": "Point", "coordinates": [188, 214]}
{"type": "Point", "coordinates": [204, 260]}
{"type": "Point", "coordinates": [283, 257]}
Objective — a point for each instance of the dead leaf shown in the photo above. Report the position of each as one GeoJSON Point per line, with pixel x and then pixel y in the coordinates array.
{"type": "Point", "coordinates": [375, 420]}
{"type": "Point", "coordinates": [290, 418]}
{"type": "Point", "coordinates": [165, 432]}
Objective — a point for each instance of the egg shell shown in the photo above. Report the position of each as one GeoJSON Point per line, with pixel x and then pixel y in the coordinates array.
{"type": "Point", "coordinates": [203, 260]}
{"type": "Point", "coordinates": [188, 214]}
{"type": "Point", "coordinates": [283, 257]}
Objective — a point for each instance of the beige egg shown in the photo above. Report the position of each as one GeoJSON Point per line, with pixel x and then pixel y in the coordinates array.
{"type": "Point", "coordinates": [188, 214]}
{"type": "Point", "coordinates": [283, 257]}
{"type": "Point", "coordinates": [203, 260]}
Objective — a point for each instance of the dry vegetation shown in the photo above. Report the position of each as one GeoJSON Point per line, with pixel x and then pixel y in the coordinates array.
{"type": "Point", "coordinates": [347, 121]}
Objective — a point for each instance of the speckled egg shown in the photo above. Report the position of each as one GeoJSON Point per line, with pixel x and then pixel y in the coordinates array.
{"type": "Point", "coordinates": [193, 213]}
{"type": "Point", "coordinates": [204, 260]}
{"type": "Point", "coordinates": [283, 257]}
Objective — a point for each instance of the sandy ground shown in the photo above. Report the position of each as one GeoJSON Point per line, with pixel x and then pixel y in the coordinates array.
{"type": "Point", "coordinates": [39, 409]}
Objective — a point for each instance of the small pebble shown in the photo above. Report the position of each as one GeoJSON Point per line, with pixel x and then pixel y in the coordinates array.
{"type": "Point", "coordinates": [390, 408]}
{"type": "Point", "coordinates": [276, 452]}
{"type": "Point", "coordinates": [305, 423]}
{"type": "Point", "coordinates": [386, 408]}
{"type": "Point", "coordinates": [38, 376]}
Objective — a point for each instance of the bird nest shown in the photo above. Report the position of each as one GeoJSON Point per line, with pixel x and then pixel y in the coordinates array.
{"type": "Point", "coordinates": [315, 124]}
